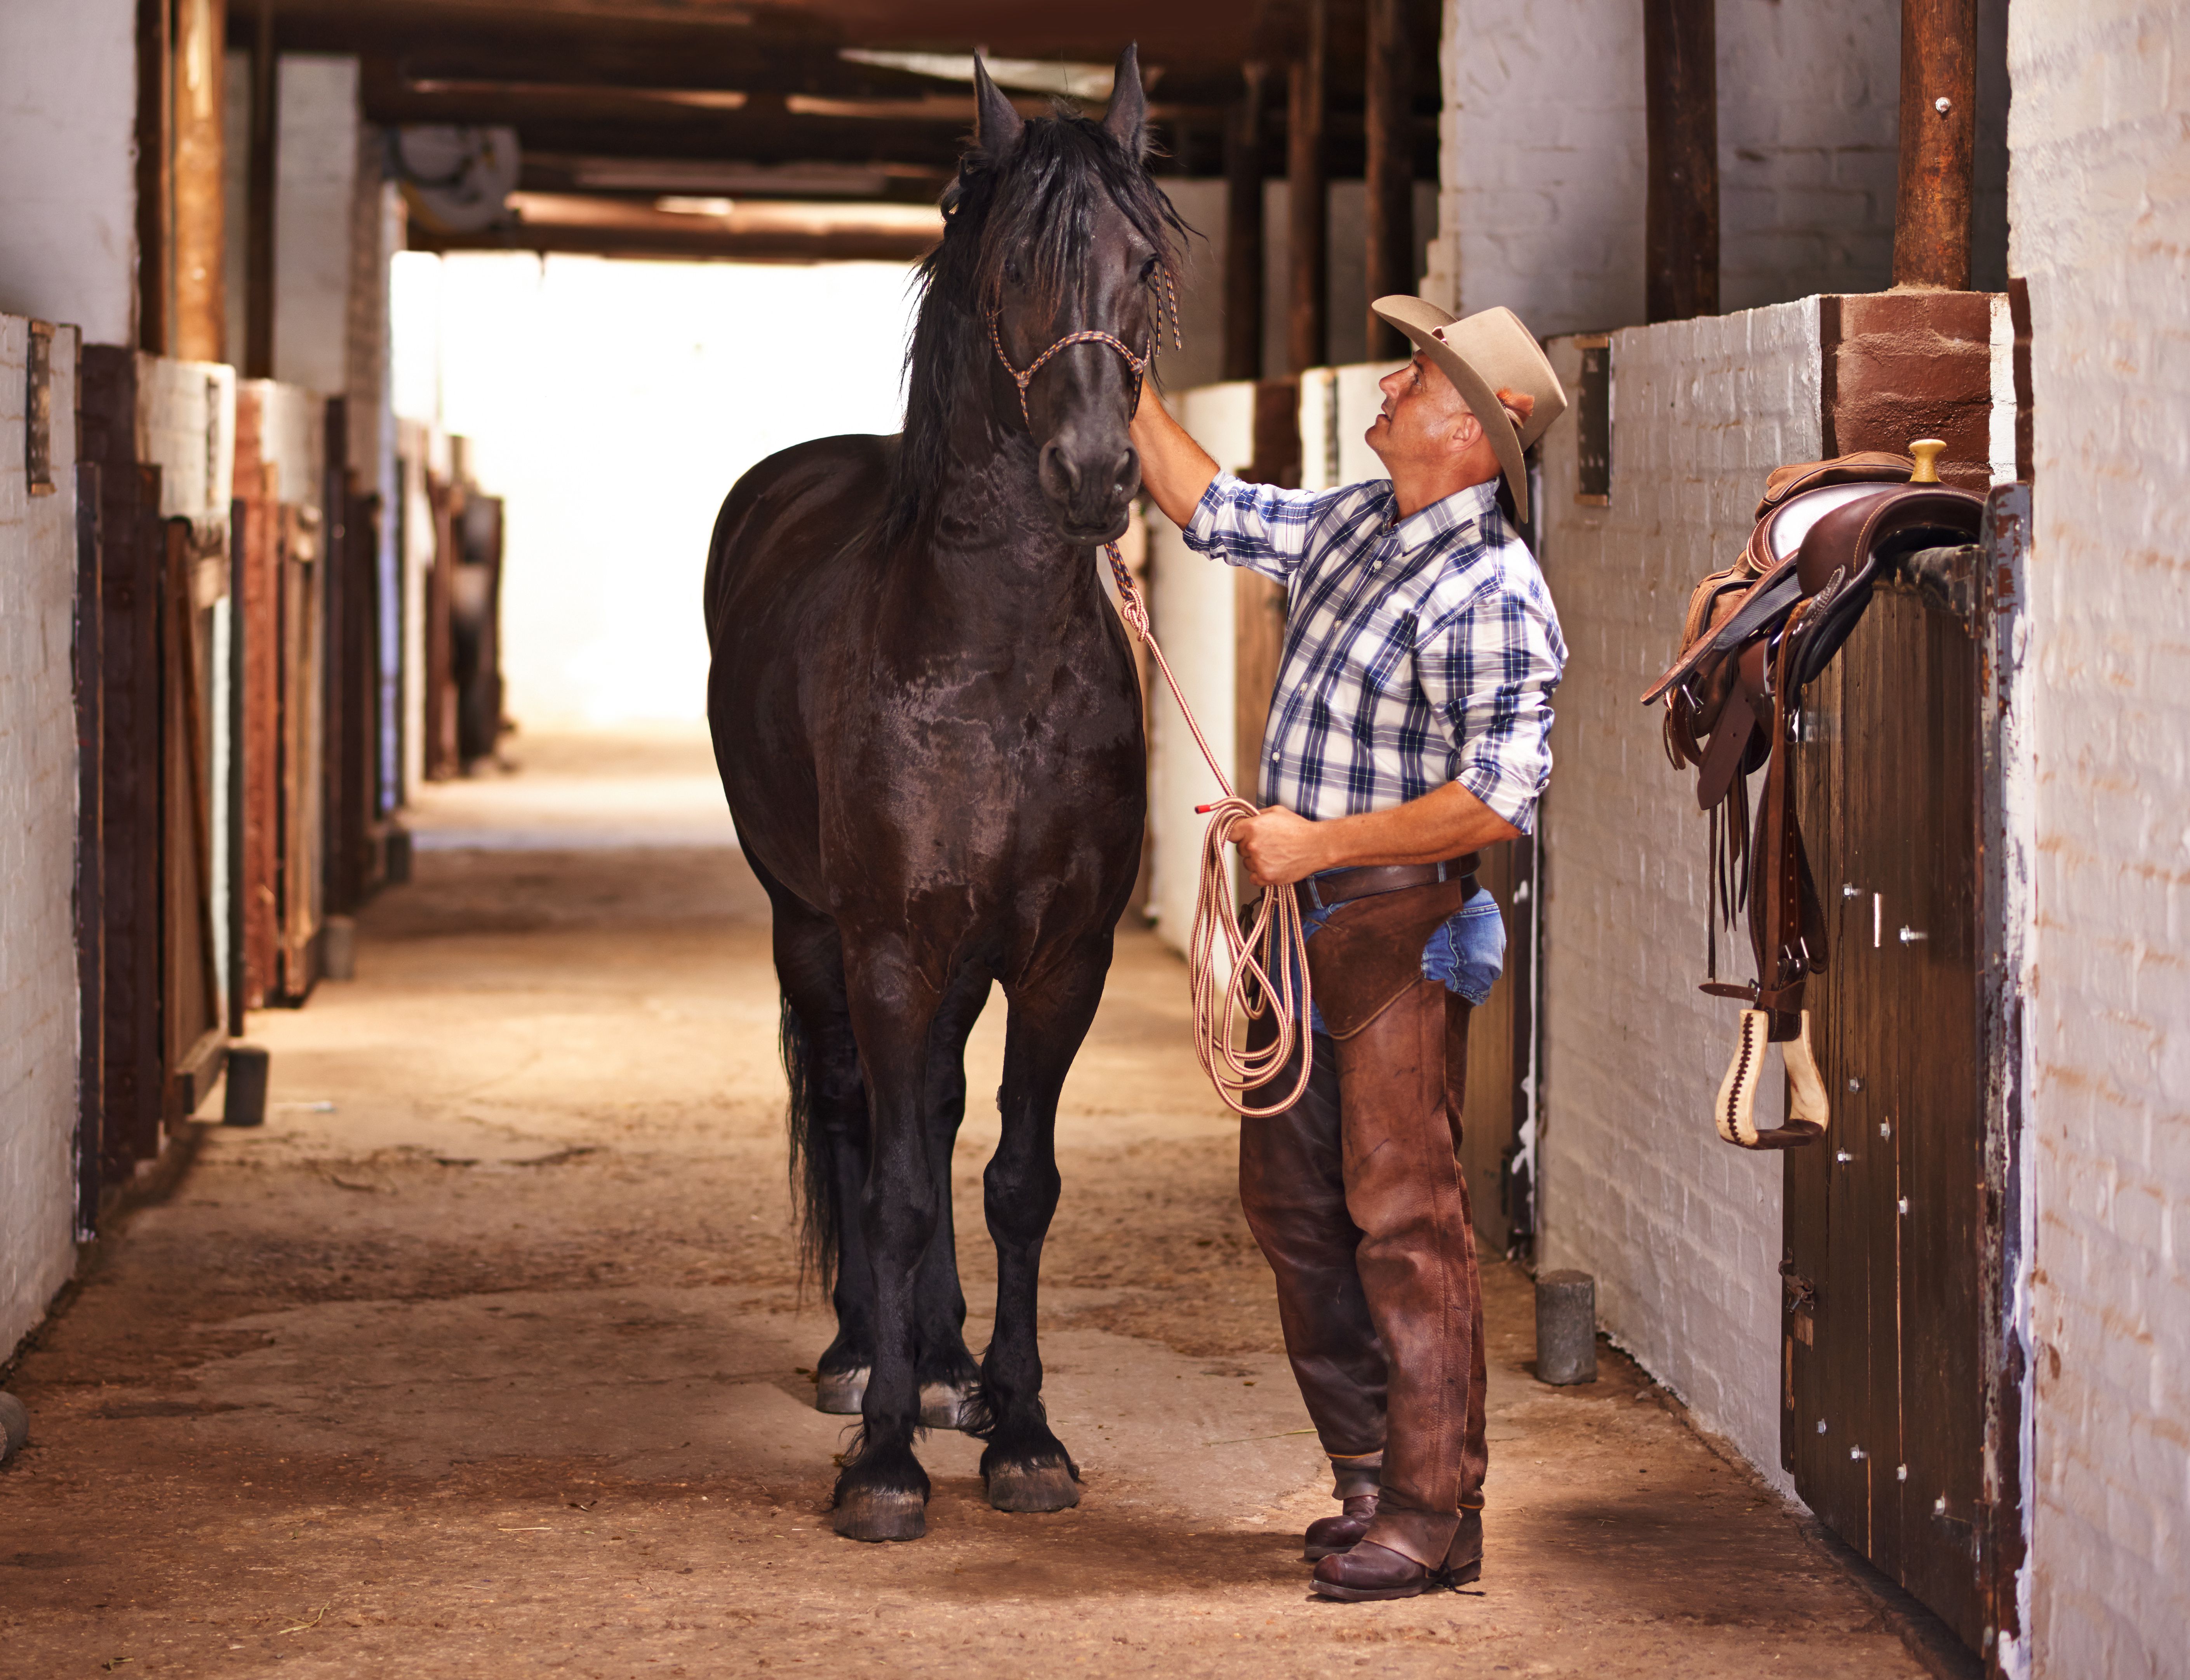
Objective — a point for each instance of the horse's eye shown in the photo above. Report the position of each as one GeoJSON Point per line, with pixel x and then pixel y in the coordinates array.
{"type": "Point", "coordinates": [1011, 270]}
{"type": "Point", "coordinates": [1149, 271]}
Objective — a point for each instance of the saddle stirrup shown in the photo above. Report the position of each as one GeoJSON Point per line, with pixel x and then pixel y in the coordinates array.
{"type": "Point", "coordinates": [1808, 1109]}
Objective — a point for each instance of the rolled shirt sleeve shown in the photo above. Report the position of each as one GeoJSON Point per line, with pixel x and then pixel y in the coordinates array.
{"type": "Point", "coordinates": [1488, 672]}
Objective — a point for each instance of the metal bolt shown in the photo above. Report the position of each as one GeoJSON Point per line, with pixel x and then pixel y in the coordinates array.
{"type": "Point", "coordinates": [1911, 936]}
{"type": "Point", "coordinates": [1849, 890]}
{"type": "Point", "coordinates": [1886, 1128]}
{"type": "Point", "coordinates": [1842, 1155]}
{"type": "Point", "coordinates": [1821, 1426]}
{"type": "Point", "coordinates": [1943, 105]}
{"type": "Point", "coordinates": [1855, 1084]}
{"type": "Point", "coordinates": [1900, 1472]}
{"type": "Point", "coordinates": [1939, 1506]}
{"type": "Point", "coordinates": [1904, 1204]}
{"type": "Point", "coordinates": [1857, 1452]}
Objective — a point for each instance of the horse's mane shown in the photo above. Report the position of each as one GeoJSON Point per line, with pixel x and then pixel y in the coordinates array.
{"type": "Point", "coordinates": [1037, 202]}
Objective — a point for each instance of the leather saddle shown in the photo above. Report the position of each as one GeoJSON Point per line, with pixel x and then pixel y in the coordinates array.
{"type": "Point", "coordinates": [1757, 634]}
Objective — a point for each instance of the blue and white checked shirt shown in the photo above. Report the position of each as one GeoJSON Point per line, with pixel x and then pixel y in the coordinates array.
{"type": "Point", "coordinates": [1416, 654]}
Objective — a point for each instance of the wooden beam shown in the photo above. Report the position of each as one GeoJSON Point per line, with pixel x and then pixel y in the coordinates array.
{"type": "Point", "coordinates": [1680, 70]}
{"type": "Point", "coordinates": [201, 327]}
{"type": "Point", "coordinates": [1389, 87]}
{"type": "Point", "coordinates": [258, 227]}
{"type": "Point", "coordinates": [767, 232]}
{"type": "Point", "coordinates": [1307, 198]}
{"type": "Point", "coordinates": [1244, 252]}
{"type": "Point", "coordinates": [155, 155]}
{"type": "Point", "coordinates": [1938, 134]}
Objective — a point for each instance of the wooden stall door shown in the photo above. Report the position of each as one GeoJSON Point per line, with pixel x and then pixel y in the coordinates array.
{"type": "Point", "coordinates": [1883, 1420]}
{"type": "Point", "coordinates": [1501, 1040]}
{"type": "Point", "coordinates": [193, 1040]}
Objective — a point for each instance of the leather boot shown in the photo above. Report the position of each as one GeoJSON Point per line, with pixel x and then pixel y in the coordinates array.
{"type": "Point", "coordinates": [1328, 1536]}
{"type": "Point", "coordinates": [1369, 1570]}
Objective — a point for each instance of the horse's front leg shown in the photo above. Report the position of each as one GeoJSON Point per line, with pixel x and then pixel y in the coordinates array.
{"type": "Point", "coordinates": [882, 1493]}
{"type": "Point", "coordinates": [1026, 1467]}
{"type": "Point", "coordinates": [948, 1375]}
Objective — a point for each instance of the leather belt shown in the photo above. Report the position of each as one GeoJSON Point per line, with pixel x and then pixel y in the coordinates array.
{"type": "Point", "coordinates": [1343, 886]}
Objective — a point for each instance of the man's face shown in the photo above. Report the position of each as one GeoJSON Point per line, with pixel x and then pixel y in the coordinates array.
{"type": "Point", "coordinates": [1424, 419]}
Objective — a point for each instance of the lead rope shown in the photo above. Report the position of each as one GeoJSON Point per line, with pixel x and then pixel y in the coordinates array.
{"type": "Point", "coordinates": [1272, 952]}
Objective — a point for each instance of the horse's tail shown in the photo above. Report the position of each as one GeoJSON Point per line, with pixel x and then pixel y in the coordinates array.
{"type": "Point", "coordinates": [809, 1159]}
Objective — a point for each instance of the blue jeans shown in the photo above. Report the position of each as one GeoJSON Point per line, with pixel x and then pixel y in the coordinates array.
{"type": "Point", "coordinates": [1466, 951]}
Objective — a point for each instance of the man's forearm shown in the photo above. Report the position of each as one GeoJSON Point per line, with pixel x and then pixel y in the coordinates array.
{"type": "Point", "coordinates": [1175, 470]}
{"type": "Point", "coordinates": [1279, 846]}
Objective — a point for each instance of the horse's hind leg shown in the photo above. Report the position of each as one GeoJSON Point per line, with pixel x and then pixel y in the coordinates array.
{"type": "Point", "coordinates": [948, 1375]}
{"type": "Point", "coordinates": [1026, 1467]}
{"type": "Point", "coordinates": [829, 1141]}
{"type": "Point", "coordinates": [883, 1492]}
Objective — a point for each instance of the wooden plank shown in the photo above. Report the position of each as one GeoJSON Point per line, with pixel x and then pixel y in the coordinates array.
{"type": "Point", "coordinates": [1939, 138]}
{"type": "Point", "coordinates": [89, 676]}
{"type": "Point", "coordinates": [302, 648]}
{"type": "Point", "coordinates": [201, 326]}
{"type": "Point", "coordinates": [190, 990]}
{"type": "Point", "coordinates": [155, 155]}
{"type": "Point", "coordinates": [1244, 252]}
{"type": "Point", "coordinates": [1488, 1111]}
{"type": "Point", "coordinates": [442, 758]}
{"type": "Point", "coordinates": [1307, 197]}
{"type": "Point", "coordinates": [258, 228]}
{"type": "Point", "coordinates": [258, 608]}
{"type": "Point", "coordinates": [1679, 74]}
{"type": "Point", "coordinates": [1389, 106]}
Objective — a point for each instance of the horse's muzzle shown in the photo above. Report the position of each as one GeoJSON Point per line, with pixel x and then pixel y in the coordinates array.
{"type": "Point", "coordinates": [1090, 490]}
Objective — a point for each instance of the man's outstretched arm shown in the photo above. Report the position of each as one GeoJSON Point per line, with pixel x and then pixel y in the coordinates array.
{"type": "Point", "coordinates": [1175, 469]}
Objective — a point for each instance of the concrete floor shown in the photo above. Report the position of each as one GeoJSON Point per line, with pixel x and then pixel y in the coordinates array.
{"type": "Point", "coordinates": [485, 1355]}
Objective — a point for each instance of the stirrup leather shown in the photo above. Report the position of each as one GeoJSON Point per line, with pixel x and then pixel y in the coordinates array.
{"type": "Point", "coordinates": [1808, 1109]}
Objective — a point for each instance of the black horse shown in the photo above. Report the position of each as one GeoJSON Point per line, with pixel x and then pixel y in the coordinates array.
{"type": "Point", "coordinates": [928, 725]}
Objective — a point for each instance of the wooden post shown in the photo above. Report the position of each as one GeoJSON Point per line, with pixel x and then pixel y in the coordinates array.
{"type": "Point", "coordinates": [200, 324]}
{"type": "Point", "coordinates": [258, 246]}
{"type": "Point", "coordinates": [155, 185]}
{"type": "Point", "coordinates": [1680, 70]}
{"type": "Point", "coordinates": [1242, 231]}
{"type": "Point", "coordinates": [1939, 129]}
{"type": "Point", "coordinates": [1390, 168]}
{"type": "Point", "coordinates": [1308, 194]}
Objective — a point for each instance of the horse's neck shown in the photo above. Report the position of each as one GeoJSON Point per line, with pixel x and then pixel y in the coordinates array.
{"type": "Point", "coordinates": [992, 538]}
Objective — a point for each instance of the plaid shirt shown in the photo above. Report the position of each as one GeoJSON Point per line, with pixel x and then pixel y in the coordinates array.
{"type": "Point", "coordinates": [1416, 654]}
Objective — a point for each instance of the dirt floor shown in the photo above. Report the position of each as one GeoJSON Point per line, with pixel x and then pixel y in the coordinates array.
{"type": "Point", "coordinates": [484, 1356]}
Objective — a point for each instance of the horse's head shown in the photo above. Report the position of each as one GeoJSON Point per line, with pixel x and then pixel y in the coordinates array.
{"type": "Point", "coordinates": [1074, 237]}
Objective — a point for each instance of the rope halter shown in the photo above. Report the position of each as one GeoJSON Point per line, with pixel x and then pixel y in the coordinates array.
{"type": "Point", "coordinates": [1139, 364]}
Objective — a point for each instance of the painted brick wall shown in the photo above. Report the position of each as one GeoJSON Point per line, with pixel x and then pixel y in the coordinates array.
{"type": "Point", "coordinates": [1543, 155]}
{"type": "Point", "coordinates": [68, 148]}
{"type": "Point", "coordinates": [312, 204]}
{"type": "Point", "coordinates": [1681, 1231]}
{"type": "Point", "coordinates": [2099, 185]}
{"type": "Point", "coordinates": [38, 1018]}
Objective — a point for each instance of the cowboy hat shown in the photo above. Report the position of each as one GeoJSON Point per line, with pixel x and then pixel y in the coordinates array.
{"type": "Point", "coordinates": [1489, 352]}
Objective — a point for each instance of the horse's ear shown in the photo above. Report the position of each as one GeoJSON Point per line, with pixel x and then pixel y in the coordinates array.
{"type": "Point", "coordinates": [1126, 122]}
{"type": "Point", "coordinates": [996, 125]}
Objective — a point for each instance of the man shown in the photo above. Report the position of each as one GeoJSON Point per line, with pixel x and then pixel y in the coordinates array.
{"type": "Point", "coordinates": [1407, 731]}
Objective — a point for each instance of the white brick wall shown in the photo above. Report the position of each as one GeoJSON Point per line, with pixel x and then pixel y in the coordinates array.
{"type": "Point", "coordinates": [2099, 186]}
{"type": "Point", "coordinates": [312, 204]}
{"type": "Point", "coordinates": [68, 184]}
{"type": "Point", "coordinates": [1681, 1231]}
{"type": "Point", "coordinates": [38, 1012]}
{"type": "Point", "coordinates": [1543, 157]}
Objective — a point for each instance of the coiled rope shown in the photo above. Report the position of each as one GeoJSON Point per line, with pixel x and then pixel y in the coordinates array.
{"type": "Point", "coordinates": [1267, 960]}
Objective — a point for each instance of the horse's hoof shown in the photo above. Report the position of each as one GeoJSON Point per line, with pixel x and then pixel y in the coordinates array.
{"type": "Point", "coordinates": [944, 1406]}
{"type": "Point", "coordinates": [841, 1391]}
{"type": "Point", "coordinates": [875, 1515]}
{"type": "Point", "coordinates": [1033, 1487]}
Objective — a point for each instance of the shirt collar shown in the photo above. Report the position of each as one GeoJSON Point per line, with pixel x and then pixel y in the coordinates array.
{"type": "Point", "coordinates": [1442, 517]}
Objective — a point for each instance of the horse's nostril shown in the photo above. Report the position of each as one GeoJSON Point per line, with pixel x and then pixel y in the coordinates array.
{"type": "Point", "coordinates": [1128, 477]}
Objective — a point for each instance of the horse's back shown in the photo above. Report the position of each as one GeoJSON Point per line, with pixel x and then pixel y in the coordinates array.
{"type": "Point", "coordinates": [798, 509]}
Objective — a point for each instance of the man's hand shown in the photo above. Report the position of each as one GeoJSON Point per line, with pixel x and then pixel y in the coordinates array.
{"type": "Point", "coordinates": [1279, 847]}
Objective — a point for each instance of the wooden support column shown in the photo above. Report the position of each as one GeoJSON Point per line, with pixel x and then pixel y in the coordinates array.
{"type": "Point", "coordinates": [259, 243]}
{"type": "Point", "coordinates": [1680, 70]}
{"type": "Point", "coordinates": [155, 181]}
{"type": "Point", "coordinates": [201, 323]}
{"type": "Point", "coordinates": [1938, 131]}
{"type": "Point", "coordinates": [1308, 200]}
{"type": "Point", "coordinates": [1390, 169]}
{"type": "Point", "coordinates": [1243, 230]}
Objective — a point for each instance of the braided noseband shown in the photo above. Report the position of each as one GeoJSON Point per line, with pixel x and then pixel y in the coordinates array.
{"type": "Point", "coordinates": [1091, 336]}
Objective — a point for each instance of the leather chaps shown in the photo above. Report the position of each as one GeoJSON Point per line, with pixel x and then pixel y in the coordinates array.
{"type": "Point", "coordinates": [1357, 1199]}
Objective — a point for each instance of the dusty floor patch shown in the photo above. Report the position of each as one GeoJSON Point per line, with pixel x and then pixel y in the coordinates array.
{"type": "Point", "coordinates": [496, 1367]}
